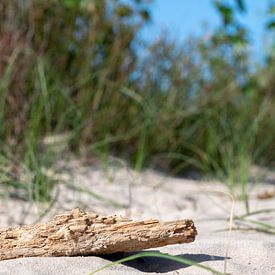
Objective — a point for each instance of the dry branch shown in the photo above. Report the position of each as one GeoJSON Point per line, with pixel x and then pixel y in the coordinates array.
{"type": "Point", "coordinates": [79, 233]}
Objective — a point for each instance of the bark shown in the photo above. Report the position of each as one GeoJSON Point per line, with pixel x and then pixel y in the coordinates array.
{"type": "Point", "coordinates": [79, 233]}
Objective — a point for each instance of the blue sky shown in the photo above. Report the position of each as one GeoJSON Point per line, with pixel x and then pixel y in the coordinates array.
{"type": "Point", "coordinates": [186, 17]}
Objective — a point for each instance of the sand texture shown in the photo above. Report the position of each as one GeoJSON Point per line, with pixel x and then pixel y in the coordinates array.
{"type": "Point", "coordinates": [151, 194]}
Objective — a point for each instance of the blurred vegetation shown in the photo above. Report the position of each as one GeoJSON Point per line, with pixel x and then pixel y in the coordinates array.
{"type": "Point", "coordinates": [75, 68]}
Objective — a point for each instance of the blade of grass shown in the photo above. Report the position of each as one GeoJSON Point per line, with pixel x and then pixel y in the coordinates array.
{"type": "Point", "coordinates": [159, 255]}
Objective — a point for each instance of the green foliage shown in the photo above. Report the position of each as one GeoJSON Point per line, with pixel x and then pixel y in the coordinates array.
{"type": "Point", "coordinates": [271, 25]}
{"type": "Point", "coordinates": [231, 30]}
{"type": "Point", "coordinates": [271, 13]}
{"type": "Point", "coordinates": [226, 12]}
{"type": "Point", "coordinates": [74, 67]}
{"type": "Point", "coordinates": [241, 5]}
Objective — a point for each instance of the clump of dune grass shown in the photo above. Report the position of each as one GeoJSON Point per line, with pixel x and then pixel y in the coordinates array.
{"type": "Point", "coordinates": [24, 181]}
{"type": "Point", "coordinates": [75, 68]}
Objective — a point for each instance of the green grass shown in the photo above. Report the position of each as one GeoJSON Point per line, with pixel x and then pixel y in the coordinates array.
{"type": "Point", "coordinates": [178, 259]}
{"type": "Point", "coordinates": [161, 111]}
{"type": "Point", "coordinates": [201, 105]}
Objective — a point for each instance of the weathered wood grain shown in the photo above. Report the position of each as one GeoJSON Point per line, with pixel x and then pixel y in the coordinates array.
{"type": "Point", "coordinates": [79, 233]}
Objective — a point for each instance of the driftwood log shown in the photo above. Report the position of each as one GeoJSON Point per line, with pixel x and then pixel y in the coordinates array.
{"type": "Point", "coordinates": [78, 233]}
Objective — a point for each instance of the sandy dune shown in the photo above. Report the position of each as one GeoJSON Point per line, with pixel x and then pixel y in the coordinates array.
{"type": "Point", "coordinates": [152, 195]}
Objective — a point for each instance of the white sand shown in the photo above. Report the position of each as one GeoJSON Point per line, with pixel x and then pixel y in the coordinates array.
{"type": "Point", "coordinates": [153, 195]}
